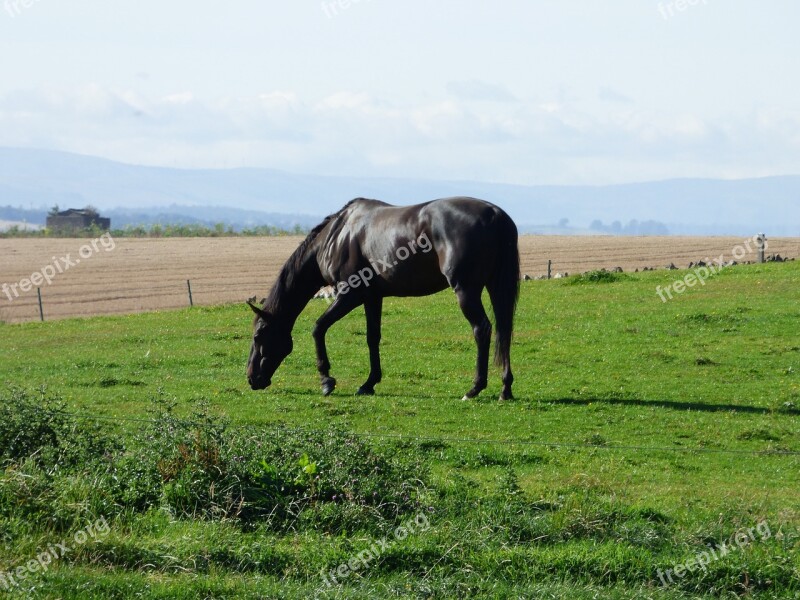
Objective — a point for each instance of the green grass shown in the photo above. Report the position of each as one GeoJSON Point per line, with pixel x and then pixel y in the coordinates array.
{"type": "Point", "coordinates": [631, 445]}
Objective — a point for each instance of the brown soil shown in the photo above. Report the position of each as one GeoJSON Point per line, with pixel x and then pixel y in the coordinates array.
{"type": "Point", "coordinates": [151, 274]}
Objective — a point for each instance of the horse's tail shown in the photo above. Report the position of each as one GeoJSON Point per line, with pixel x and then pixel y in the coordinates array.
{"type": "Point", "coordinates": [504, 288]}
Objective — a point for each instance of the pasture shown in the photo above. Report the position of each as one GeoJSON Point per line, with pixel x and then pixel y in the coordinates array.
{"type": "Point", "coordinates": [643, 436]}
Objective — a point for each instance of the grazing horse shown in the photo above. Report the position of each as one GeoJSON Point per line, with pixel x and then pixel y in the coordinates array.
{"type": "Point", "coordinates": [370, 249]}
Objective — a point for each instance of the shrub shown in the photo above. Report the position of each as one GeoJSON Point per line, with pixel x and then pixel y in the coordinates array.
{"type": "Point", "coordinates": [599, 276]}
{"type": "Point", "coordinates": [41, 430]}
{"type": "Point", "coordinates": [60, 470]}
{"type": "Point", "coordinates": [291, 478]}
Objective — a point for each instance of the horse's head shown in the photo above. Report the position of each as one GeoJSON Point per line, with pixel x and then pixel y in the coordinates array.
{"type": "Point", "coordinates": [271, 344]}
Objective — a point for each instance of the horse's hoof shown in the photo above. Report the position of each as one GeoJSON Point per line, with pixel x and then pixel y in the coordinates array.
{"type": "Point", "coordinates": [365, 391]}
{"type": "Point", "coordinates": [328, 387]}
{"type": "Point", "coordinates": [473, 393]}
{"type": "Point", "coordinates": [506, 396]}
{"type": "Point", "coordinates": [465, 398]}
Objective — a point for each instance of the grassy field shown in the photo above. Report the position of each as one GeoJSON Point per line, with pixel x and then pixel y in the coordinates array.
{"type": "Point", "coordinates": [644, 436]}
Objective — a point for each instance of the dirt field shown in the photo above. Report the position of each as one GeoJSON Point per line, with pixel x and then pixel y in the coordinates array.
{"type": "Point", "coordinates": [133, 275]}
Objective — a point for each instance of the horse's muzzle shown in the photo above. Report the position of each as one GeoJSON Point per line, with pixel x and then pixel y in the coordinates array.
{"type": "Point", "coordinates": [259, 384]}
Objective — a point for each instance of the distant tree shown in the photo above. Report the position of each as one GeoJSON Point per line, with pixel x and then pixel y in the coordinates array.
{"type": "Point", "coordinates": [53, 211]}
{"type": "Point", "coordinates": [563, 223]}
{"type": "Point", "coordinates": [616, 227]}
{"type": "Point", "coordinates": [653, 228]}
{"type": "Point", "coordinates": [632, 228]}
{"type": "Point", "coordinates": [91, 210]}
{"type": "Point", "coordinates": [597, 225]}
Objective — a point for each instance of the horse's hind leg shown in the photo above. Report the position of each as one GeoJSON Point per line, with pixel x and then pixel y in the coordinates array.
{"type": "Point", "coordinates": [472, 307]}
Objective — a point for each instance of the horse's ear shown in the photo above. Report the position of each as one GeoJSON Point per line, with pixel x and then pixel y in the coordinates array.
{"type": "Point", "coordinates": [259, 311]}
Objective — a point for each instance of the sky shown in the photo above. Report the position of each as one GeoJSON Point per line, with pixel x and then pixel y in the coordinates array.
{"type": "Point", "coordinates": [529, 92]}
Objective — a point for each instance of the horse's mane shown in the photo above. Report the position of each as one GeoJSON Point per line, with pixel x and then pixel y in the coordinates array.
{"type": "Point", "coordinates": [297, 259]}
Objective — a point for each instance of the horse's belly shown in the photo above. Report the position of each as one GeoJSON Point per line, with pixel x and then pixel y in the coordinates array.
{"type": "Point", "coordinates": [419, 286]}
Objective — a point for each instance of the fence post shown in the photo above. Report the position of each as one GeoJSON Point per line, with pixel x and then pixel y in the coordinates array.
{"type": "Point", "coordinates": [549, 269]}
{"type": "Point", "coordinates": [762, 239]}
{"type": "Point", "coordinates": [41, 310]}
{"type": "Point", "coordinates": [189, 285]}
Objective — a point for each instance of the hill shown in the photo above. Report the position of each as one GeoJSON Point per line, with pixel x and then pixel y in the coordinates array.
{"type": "Point", "coordinates": [39, 179]}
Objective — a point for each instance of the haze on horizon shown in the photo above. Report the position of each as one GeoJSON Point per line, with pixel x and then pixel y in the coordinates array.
{"type": "Point", "coordinates": [522, 92]}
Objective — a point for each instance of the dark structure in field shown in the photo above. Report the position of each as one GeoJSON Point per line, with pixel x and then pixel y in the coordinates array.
{"type": "Point", "coordinates": [76, 219]}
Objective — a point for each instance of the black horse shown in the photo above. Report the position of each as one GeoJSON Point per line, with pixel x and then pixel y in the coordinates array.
{"type": "Point", "coordinates": [370, 249]}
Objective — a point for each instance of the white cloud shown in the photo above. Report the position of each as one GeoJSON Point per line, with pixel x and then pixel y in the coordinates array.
{"type": "Point", "coordinates": [179, 98]}
{"type": "Point", "coordinates": [524, 141]}
{"type": "Point", "coordinates": [345, 101]}
{"type": "Point", "coordinates": [479, 90]}
{"type": "Point", "coordinates": [610, 95]}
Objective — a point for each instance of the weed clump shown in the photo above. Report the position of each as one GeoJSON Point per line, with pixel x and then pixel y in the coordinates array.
{"type": "Point", "coordinates": [61, 469]}
{"type": "Point", "coordinates": [40, 430]}
{"type": "Point", "coordinates": [598, 276]}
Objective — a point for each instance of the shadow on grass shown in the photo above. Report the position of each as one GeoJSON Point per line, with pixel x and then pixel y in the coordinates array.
{"type": "Point", "coordinates": [699, 406]}
{"type": "Point", "coordinates": [488, 397]}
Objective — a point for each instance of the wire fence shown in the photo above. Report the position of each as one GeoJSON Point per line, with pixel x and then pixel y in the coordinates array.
{"type": "Point", "coordinates": [46, 303]}
{"type": "Point", "coordinates": [108, 294]}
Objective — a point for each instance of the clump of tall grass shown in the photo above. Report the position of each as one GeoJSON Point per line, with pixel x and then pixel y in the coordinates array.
{"type": "Point", "coordinates": [598, 276]}
{"type": "Point", "coordinates": [197, 467]}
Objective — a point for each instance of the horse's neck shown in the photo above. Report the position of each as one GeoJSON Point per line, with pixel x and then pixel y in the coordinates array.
{"type": "Point", "coordinates": [292, 298]}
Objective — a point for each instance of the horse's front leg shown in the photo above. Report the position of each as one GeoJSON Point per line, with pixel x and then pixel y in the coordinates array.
{"type": "Point", "coordinates": [343, 304]}
{"type": "Point", "coordinates": [372, 309]}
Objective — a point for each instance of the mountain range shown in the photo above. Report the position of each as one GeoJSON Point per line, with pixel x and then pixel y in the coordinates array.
{"type": "Point", "coordinates": [35, 180]}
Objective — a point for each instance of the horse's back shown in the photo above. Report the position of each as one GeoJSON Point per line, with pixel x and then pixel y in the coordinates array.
{"type": "Point", "coordinates": [428, 246]}
{"type": "Point", "coordinates": [455, 215]}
